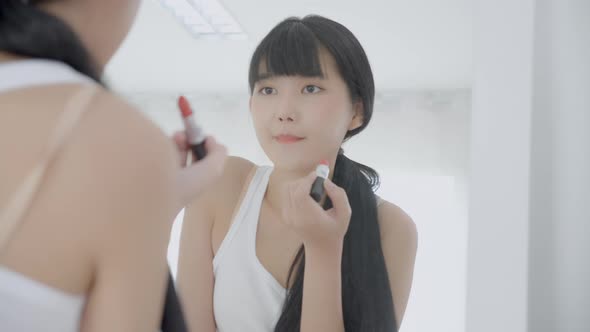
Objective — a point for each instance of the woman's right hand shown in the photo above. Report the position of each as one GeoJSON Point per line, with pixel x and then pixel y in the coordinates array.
{"type": "Point", "coordinates": [195, 178]}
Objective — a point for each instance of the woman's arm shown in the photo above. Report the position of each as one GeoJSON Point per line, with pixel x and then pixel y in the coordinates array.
{"type": "Point", "coordinates": [399, 239]}
{"type": "Point", "coordinates": [322, 291]}
{"type": "Point", "coordinates": [195, 266]}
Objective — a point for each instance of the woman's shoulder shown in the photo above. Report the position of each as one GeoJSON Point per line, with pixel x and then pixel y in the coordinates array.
{"type": "Point", "coordinates": [237, 171]}
{"type": "Point", "coordinates": [122, 150]}
{"type": "Point", "coordinates": [103, 115]}
{"type": "Point", "coordinates": [238, 167]}
{"type": "Point", "coordinates": [105, 138]}
{"type": "Point", "coordinates": [394, 221]}
{"type": "Point", "coordinates": [110, 182]}
{"type": "Point", "coordinates": [223, 193]}
{"type": "Point", "coordinates": [118, 134]}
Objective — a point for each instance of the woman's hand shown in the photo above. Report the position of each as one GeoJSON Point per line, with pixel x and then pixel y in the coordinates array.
{"type": "Point", "coordinates": [318, 229]}
{"type": "Point", "coordinates": [193, 179]}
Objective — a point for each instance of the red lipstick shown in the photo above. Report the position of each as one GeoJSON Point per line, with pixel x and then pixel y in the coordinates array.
{"type": "Point", "coordinates": [195, 135]}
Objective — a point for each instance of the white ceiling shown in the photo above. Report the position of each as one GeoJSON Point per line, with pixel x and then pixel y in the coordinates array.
{"type": "Point", "coordinates": [412, 44]}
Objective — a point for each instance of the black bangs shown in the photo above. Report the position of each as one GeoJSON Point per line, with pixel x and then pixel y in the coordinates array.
{"type": "Point", "coordinates": [290, 49]}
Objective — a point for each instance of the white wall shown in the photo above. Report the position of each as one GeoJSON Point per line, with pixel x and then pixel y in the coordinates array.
{"type": "Point", "coordinates": [500, 167]}
{"type": "Point", "coordinates": [418, 141]}
{"type": "Point", "coordinates": [529, 253]}
{"type": "Point", "coordinates": [422, 44]}
{"type": "Point", "coordinates": [560, 184]}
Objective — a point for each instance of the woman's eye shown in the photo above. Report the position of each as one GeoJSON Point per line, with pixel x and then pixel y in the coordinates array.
{"type": "Point", "coordinates": [312, 89]}
{"type": "Point", "coordinates": [267, 91]}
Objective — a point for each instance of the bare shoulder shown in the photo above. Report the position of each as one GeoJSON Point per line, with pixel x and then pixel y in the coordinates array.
{"type": "Point", "coordinates": [236, 171]}
{"type": "Point", "coordinates": [124, 162]}
{"type": "Point", "coordinates": [396, 224]}
{"type": "Point", "coordinates": [108, 140]}
{"type": "Point", "coordinates": [112, 120]}
{"type": "Point", "coordinates": [122, 142]}
{"type": "Point", "coordinates": [228, 186]}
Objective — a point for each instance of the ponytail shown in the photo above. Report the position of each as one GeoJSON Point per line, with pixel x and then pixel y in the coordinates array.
{"type": "Point", "coordinates": [366, 295]}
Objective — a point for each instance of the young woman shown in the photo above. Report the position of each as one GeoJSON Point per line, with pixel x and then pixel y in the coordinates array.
{"type": "Point", "coordinates": [89, 187]}
{"type": "Point", "coordinates": [259, 254]}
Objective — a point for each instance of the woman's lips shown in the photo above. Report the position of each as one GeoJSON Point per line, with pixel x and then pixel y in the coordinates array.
{"type": "Point", "coordinates": [287, 139]}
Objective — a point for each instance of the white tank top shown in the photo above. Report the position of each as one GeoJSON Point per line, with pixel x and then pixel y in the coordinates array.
{"type": "Point", "coordinates": [27, 305]}
{"type": "Point", "coordinates": [246, 297]}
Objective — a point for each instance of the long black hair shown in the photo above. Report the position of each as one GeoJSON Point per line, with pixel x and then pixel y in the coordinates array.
{"type": "Point", "coordinates": [293, 48]}
{"type": "Point", "coordinates": [28, 31]}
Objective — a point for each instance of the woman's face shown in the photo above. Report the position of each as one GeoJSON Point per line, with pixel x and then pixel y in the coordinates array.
{"type": "Point", "coordinates": [302, 120]}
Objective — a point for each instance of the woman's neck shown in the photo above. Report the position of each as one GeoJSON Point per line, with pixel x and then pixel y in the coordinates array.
{"type": "Point", "coordinates": [9, 57]}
